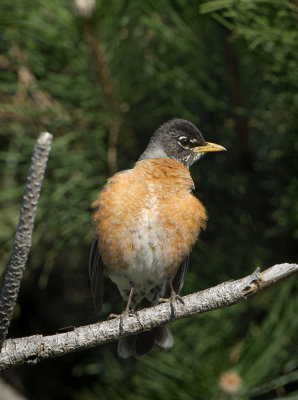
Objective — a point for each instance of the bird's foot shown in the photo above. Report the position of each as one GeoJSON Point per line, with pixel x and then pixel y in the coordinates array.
{"type": "Point", "coordinates": [172, 300]}
{"type": "Point", "coordinates": [124, 314]}
{"type": "Point", "coordinates": [113, 316]}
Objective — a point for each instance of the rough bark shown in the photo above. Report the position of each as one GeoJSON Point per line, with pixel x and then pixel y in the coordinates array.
{"type": "Point", "coordinates": [23, 237]}
{"type": "Point", "coordinates": [35, 348]}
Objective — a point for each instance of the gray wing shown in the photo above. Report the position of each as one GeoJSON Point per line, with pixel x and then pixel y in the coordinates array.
{"type": "Point", "coordinates": [96, 268]}
{"type": "Point", "coordinates": [179, 278]}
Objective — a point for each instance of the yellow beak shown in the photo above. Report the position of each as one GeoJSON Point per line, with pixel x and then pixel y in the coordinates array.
{"type": "Point", "coordinates": [208, 147]}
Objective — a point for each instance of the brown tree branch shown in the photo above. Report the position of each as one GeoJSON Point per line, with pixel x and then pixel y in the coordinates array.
{"type": "Point", "coordinates": [23, 237]}
{"type": "Point", "coordinates": [33, 349]}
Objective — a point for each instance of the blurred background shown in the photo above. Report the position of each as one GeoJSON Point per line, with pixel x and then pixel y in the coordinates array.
{"type": "Point", "coordinates": [101, 76]}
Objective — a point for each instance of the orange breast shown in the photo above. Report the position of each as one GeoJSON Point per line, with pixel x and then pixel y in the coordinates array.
{"type": "Point", "coordinates": [148, 212]}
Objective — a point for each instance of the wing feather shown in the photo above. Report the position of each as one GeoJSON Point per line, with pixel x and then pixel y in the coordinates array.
{"type": "Point", "coordinates": [96, 268]}
{"type": "Point", "coordinates": [179, 278]}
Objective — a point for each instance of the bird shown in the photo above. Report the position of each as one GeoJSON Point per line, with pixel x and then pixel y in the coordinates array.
{"type": "Point", "coordinates": [146, 221]}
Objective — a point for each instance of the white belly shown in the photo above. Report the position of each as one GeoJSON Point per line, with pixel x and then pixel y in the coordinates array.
{"type": "Point", "coordinates": [146, 268]}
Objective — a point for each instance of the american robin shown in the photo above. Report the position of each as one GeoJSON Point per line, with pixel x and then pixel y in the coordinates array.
{"type": "Point", "coordinates": [146, 222]}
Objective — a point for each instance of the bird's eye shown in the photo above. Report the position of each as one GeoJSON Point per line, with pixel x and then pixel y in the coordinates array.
{"type": "Point", "coordinates": [184, 141]}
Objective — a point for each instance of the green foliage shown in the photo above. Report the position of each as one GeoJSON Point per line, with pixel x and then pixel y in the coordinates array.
{"type": "Point", "coordinates": [228, 66]}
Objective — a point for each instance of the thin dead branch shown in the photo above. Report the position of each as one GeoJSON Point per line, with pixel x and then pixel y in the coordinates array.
{"type": "Point", "coordinates": [23, 237]}
{"type": "Point", "coordinates": [33, 349]}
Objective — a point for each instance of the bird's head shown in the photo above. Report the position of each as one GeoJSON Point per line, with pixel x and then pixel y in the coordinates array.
{"type": "Point", "coordinates": [180, 140]}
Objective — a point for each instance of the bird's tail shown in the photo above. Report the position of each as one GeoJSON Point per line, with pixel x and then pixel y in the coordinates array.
{"type": "Point", "coordinates": [160, 338]}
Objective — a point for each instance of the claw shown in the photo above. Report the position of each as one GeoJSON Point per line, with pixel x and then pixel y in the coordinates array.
{"type": "Point", "coordinates": [126, 313]}
{"type": "Point", "coordinates": [112, 316]}
{"type": "Point", "coordinates": [172, 299]}
{"type": "Point", "coordinates": [179, 298]}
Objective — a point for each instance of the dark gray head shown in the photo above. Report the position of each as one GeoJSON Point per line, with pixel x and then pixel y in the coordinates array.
{"type": "Point", "coordinates": [180, 140]}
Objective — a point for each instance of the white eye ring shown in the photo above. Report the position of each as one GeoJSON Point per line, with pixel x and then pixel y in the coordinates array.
{"type": "Point", "coordinates": [184, 141]}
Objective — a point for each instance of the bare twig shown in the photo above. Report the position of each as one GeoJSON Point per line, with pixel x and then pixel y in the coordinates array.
{"type": "Point", "coordinates": [38, 347]}
{"type": "Point", "coordinates": [22, 242]}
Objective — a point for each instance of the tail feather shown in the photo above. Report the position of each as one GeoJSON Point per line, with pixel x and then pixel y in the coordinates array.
{"type": "Point", "coordinates": [126, 346]}
{"type": "Point", "coordinates": [160, 338]}
{"type": "Point", "coordinates": [164, 338]}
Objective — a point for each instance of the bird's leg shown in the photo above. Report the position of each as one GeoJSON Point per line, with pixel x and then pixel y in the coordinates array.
{"type": "Point", "coordinates": [126, 311]}
{"type": "Point", "coordinates": [174, 295]}
{"type": "Point", "coordinates": [172, 299]}
{"type": "Point", "coordinates": [127, 308]}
